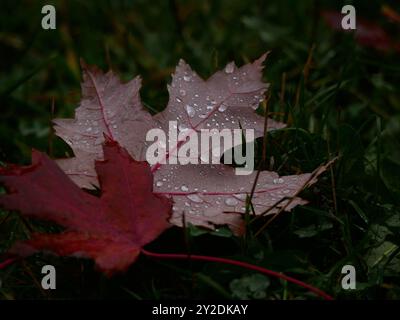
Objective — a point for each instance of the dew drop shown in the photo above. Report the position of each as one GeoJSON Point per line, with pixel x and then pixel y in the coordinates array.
{"type": "Point", "coordinates": [222, 107]}
{"type": "Point", "coordinates": [187, 78]}
{"type": "Point", "coordinates": [195, 198]}
{"type": "Point", "coordinates": [190, 111]}
{"type": "Point", "coordinates": [184, 188]}
{"type": "Point", "coordinates": [182, 92]}
{"type": "Point", "coordinates": [241, 196]}
{"type": "Point", "coordinates": [231, 202]}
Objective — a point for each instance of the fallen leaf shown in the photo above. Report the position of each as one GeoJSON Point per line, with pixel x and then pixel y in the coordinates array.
{"type": "Point", "coordinates": [111, 229]}
{"type": "Point", "coordinates": [214, 195]}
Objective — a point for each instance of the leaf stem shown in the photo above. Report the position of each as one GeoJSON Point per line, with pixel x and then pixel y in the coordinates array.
{"type": "Point", "coordinates": [7, 262]}
{"type": "Point", "coordinates": [238, 264]}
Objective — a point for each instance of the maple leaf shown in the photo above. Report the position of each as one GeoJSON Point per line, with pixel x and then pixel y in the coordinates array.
{"type": "Point", "coordinates": [367, 33]}
{"type": "Point", "coordinates": [107, 107]}
{"type": "Point", "coordinates": [113, 108]}
{"type": "Point", "coordinates": [111, 229]}
{"type": "Point", "coordinates": [226, 100]}
{"type": "Point", "coordinates": [207, 195]}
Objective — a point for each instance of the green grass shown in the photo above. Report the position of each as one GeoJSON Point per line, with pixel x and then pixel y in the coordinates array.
{"type": "Point", "coordinates": [347, 106]}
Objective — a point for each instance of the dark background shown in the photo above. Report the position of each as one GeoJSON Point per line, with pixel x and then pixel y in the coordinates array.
{"type": "Point", "coordinates": [344, 101]}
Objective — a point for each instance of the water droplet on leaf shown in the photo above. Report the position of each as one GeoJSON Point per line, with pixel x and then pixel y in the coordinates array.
{"type": "Point", "coordinates": [195, 198]}
{"type": "Point", "coordinates": [190, 111]}
{"type": "Point", "coordinates": [159, 183]}
{"type": "Point", "coordinates": [222, 107]}
{"type": "Point", "coordinates": [230, 67]}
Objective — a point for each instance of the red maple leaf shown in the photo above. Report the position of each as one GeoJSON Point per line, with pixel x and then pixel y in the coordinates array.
{"type": "Point", "coordinates": [111, 229]}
